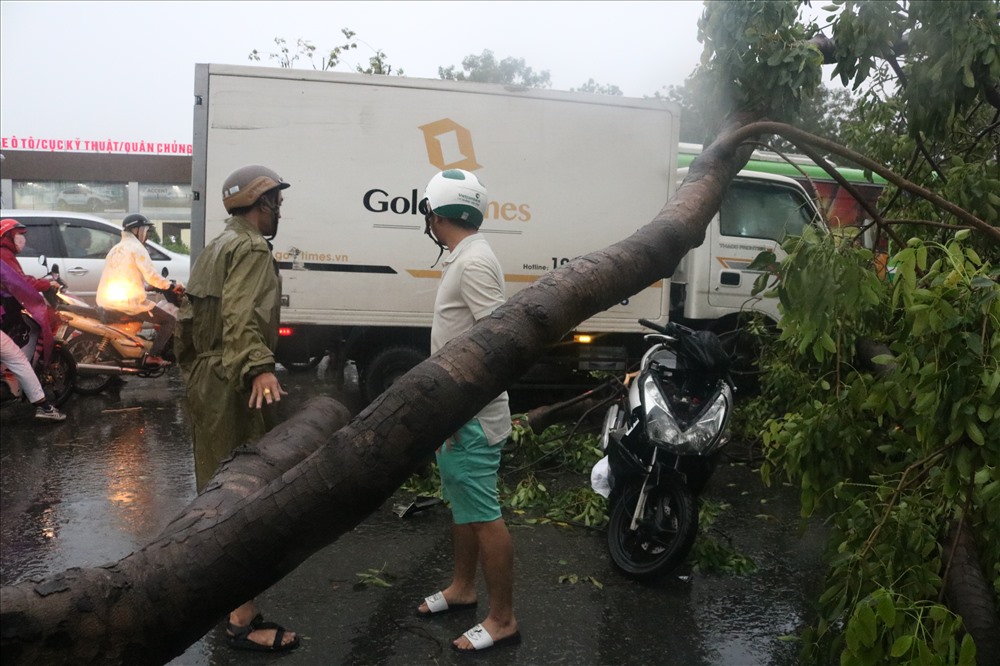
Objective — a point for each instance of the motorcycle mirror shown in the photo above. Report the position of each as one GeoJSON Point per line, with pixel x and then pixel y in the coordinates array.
{"type": "Point", "coordinates": [55, 269]}
{"type": "Point", "coordinates": [164, 272]}
{"type": "Point", "coordinates": [42, 260]}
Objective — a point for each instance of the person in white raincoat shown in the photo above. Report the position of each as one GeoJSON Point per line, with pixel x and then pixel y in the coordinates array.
{"type": "Point", "coordinates": [127, 271]}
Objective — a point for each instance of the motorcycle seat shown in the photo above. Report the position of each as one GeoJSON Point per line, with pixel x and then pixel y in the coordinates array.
{"type": "Point", "coordinates": [115, 316]}
{"type": "Point", "coordinates": [85, 310]}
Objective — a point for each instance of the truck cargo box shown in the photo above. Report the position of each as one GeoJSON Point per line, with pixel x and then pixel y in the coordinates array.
{"type": "Point", "coordinates": [567, 174]}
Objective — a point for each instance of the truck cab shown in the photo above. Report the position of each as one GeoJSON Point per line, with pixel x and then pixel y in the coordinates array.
{"type": "Point", "coordinates": [712, 286]}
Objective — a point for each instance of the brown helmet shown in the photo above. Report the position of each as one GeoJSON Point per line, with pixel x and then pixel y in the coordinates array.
{"type": "Point", "coordinates": [245, 185]}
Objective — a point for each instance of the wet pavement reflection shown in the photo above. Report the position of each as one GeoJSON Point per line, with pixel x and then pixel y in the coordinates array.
{"type": "Point", "coordinates": [103, 483]}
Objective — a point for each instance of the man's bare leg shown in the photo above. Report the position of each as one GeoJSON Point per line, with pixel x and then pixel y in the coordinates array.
{"type": "Point", "coordinates": [465, 545]}
{"type": "Point", "coordinates": [496, 553]}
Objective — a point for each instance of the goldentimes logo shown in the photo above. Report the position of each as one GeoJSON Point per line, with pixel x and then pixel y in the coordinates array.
{"type": "Point", "coordinates": [449, 146]}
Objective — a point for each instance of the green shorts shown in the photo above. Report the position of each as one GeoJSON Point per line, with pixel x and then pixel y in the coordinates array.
{"type": "Point", "coordinates": [468, 465]}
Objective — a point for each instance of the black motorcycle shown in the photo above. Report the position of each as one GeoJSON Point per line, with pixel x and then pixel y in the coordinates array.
{"type": "Point", "coordinates": [662, 438]}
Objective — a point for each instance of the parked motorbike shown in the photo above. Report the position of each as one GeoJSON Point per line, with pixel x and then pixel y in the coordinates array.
{"type": "Point", "coordinates": [663, 436]}
{"type": "Point", "coordinates": [56, 377]}
{"type": "Point", "coordinates": [106, 343]}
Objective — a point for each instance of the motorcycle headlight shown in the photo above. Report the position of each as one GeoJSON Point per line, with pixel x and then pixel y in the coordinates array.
{"type": "Point", "coordinates": [701, 438]}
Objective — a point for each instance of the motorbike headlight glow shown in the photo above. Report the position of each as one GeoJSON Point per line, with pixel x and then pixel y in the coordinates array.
{"type": "Point", "coordinates": [701, 438]}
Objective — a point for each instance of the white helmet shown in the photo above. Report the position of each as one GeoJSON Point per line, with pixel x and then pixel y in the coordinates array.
{"type": "Point", "coordinates": [457, 195]}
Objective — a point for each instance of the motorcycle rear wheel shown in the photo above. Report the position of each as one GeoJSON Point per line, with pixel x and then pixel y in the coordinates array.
{"type": "Point", "coordinates": [85, 349]}
{"type": "Point", "coordinates": [665, 533]}
{"type": "Point", "coordinates": [58, 377]}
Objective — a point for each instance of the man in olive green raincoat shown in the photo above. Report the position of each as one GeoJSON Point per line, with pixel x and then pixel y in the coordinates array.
{"type": "Point", "coordinates": [228, 334]}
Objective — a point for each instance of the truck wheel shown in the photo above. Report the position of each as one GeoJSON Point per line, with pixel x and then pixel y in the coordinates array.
{"type": "Point", "coordinates": [386, 367]}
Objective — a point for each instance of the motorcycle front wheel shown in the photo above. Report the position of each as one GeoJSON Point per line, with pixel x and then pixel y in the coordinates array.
{"type": "Point", "coordinates": [87, 349]}
{"type": "Point", "coordinates": [666, 529]}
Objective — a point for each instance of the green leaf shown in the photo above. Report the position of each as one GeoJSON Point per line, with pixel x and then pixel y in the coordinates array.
{"type": "Point", "coordinates": [853, 636]}
{"type": "Point", "coordinates": [968, 80]}
{"type": "Point", "coordinates": [974, 433]}
{"type": "Point", "coordinates": [763, 261]}
{"type": "Point", "coordinates": [963, 462]}
{"type": "Point", "coordinates": [990, 382]}
{"type": "Point", "coordinates": [886, 610]}
{"type": "Point", "coordinates": [926, 656]}
{"type": "Point", "coordinates": [901, 646]}
{"type": "Point", "coordinates": [967, 655]}
{"type": "Point", "coordinates": [866, 625]}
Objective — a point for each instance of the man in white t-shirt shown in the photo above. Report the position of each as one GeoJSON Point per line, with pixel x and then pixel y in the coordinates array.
{"type": "Point", "coordinates": [472, 286]}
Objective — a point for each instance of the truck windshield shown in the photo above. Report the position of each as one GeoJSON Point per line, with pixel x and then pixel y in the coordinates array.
{"type": "Point", "coordinates": [764, 210]}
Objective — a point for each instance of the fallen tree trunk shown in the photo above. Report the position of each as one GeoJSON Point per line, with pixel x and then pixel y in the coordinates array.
{"type": "Point", "coordinates": [969, 593]}
{"type": "Point", "coordinates": [149, 606]}
{"type": "Point", "coordinates": [250, 468]}
{"type": "Point", "coordinates": [92, 615]}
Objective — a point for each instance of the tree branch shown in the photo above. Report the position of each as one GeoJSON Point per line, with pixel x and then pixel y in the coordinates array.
{"type": "Point", "coordinates": [929, 223]}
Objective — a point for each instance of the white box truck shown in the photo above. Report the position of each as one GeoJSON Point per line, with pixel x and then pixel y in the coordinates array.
{"type": "Point", "coordinates": [567, 174]}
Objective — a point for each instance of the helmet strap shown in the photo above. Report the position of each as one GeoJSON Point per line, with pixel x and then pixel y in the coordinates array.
{"type": "Point", "coordinates": [266, 205]}
{"type": "Point", "coordinates": [441, 246]}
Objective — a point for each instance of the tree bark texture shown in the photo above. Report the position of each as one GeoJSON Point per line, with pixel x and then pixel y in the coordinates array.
{"type": "Point", "coordinates": [968, 593]}
{"type": "Point", "coordinates": [241, 536]}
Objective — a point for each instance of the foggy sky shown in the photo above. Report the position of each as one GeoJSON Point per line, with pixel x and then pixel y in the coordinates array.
{"type": "Point", "coordinates": [125, 70]}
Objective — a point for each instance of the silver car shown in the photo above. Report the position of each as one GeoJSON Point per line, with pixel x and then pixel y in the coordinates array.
{"type": "Point", "coordinates": [81, 197]}
{"type": "Point", "coordinates": [78, 243]}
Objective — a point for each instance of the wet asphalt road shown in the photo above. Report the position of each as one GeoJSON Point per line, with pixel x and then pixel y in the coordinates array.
{"type": "Point", "coordinates": [100, 485]}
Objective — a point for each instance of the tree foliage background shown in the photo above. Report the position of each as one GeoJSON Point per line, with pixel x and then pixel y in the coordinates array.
{"type": "Point", "coordinates": [897, 458]}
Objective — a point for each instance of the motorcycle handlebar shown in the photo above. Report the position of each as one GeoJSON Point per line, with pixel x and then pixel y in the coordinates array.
{"type": "Point", "coordinates": [173, 293]}
{"type": "Point", "coordinates": [54, 276]}
{"type": "Point", "coordinates": [654, 326]}
{"type": "Point", "coordinates": [671, 328]}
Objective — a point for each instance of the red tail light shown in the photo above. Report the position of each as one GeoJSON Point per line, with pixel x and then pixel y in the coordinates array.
{"type": "Point", "coordinates": [286, 331]}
